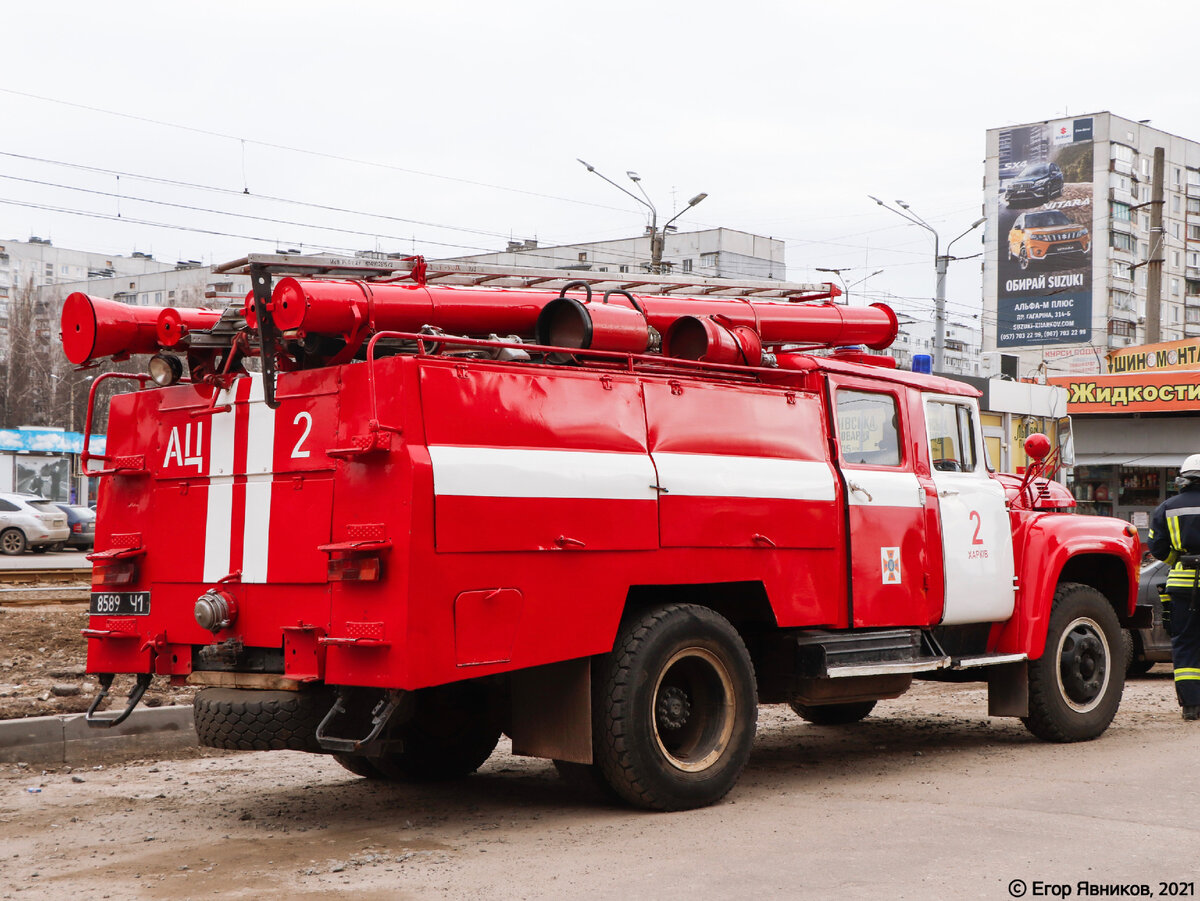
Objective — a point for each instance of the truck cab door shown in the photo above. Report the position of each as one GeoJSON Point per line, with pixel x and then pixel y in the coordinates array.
{"type": "Point", "coordinates": [973, 518]}
{"type": "Point", "coordinates": [885, 505]}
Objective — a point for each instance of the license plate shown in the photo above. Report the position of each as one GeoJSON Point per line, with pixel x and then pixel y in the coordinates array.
{"type": "Point", "coordinates": [120, 603]}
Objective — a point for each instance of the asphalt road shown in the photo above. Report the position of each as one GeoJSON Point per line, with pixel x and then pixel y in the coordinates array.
{"type": "Point", "coordinates": [927, 798]}
{"type": "Point", "coordinates": [48, 560]}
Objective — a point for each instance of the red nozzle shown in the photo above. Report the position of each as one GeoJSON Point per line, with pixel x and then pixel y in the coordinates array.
{"type": "Point", "coordinates": [94, 327]}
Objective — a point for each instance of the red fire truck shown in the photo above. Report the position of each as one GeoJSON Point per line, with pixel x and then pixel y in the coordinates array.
{"type": "Point", "coordinates": [393, 511]}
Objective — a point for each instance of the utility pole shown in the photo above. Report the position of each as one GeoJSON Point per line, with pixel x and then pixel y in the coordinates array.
{"type": "Point", "coordinates": [657, 237]}
{"type": "Point", "coordinates": [941, 263]}
{"type": "Point", "coordinates": [1154, 261]}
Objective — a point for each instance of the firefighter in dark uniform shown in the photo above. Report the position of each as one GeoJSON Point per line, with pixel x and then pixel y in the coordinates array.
{"type": "Point", "coordinates": [1175, 537]}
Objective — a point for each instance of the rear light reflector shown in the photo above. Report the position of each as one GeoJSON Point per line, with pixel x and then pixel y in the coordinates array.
{"type": "Point", "coordinates": [355, 568]}
{"type": "Point", "coordinates": [118, 572]}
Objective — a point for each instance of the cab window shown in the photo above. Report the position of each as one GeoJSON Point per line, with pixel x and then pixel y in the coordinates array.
{"type": "Point", "coordinates": [951, 436]}
{"type": "Point", "coordinates": [868, 428]}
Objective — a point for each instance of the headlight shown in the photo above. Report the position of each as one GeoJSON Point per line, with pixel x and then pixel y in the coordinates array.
{"type": "Point", "coordinates": [165, 369]}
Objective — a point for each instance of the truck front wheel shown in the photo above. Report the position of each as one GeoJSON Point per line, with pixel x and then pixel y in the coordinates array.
{"type": "Point", "coordinates": [676, 709]}
{"type": "Point", "coordinates": [1075, 686]}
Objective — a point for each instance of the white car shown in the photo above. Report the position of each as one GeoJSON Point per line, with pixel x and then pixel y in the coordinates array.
{"type": "Point", "coordinates": [28, 521]}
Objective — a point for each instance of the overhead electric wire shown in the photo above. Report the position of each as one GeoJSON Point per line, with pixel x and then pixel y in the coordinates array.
{"type": "Point", "coordinates": [317, 153]}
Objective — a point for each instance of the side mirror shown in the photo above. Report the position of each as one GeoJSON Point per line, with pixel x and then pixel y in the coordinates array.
{"type": "Point", "coordinates": [1037, 446]}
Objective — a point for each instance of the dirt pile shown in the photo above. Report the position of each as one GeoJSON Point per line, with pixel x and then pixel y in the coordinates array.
{"type": "Point", "coordinates": [42, 665]}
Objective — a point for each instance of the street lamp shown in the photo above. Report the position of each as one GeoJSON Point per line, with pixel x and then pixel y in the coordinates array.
{"type": "Point", "coordinates": [846, 288]}
{"type": "Point", "coordinates": [941, 263]}
{"type": "Point", "coordinates": [657, 237]}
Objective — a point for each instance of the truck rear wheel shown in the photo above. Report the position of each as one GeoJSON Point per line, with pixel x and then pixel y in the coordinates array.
{"type": "Point", "coordinates": [359, 765]}
{"type": "Point", "coordinates": [1075, 686]}
{"type": "Point", "coordinates": [833, 714]}
{"type": "Point", "coordinates": [451, 734]}
{"type": "Point", "coordinates": [676, 709]}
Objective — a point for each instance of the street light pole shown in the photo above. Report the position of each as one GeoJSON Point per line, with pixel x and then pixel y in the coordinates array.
{"type": "Point", "coordinates": [657, 237]}
{"type": "Point", "coordinates": [941, 264]}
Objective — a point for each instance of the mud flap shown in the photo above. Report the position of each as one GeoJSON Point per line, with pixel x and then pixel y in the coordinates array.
{"type": "Point", "coordinates": [552, 711]}
{"type": "Point", "coordinates": [1008, 689]}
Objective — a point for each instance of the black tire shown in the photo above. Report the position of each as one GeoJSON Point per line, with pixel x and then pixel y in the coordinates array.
{"type": "Point", "coordinates": [1137, 664]}
{"type": "Point", "coordinates": [359, 765]}
{"type": "Point", "coordinates": [452, 732]}
{"type": "Point", "coordinates": [675, 709]}
{"type": "Point", "coordinates": [1075, 686]}
{"type": "Point", "coordinates": [12, 542]}
{"type": "Point", "coordinates": [238, 719]}
{"type": "Point", "coordinates": [833, 714]}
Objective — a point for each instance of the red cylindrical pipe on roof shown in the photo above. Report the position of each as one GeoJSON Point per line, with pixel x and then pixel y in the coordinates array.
{"type": "Point", "coordinates": [95, 327]}
{"type": "Point", "coordinates": [341, 307]}
{"type": "Point", "coordinates": [826, 323]}
{"type": "Point", "coordinates": [173, 323]}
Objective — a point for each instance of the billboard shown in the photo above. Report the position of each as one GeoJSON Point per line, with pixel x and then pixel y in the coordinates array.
{"type": "Point", "coordinates": [1149, 357]}
{"type": "Point", "coordinates": [1044, 294]}
{"type": "Point", "coordinates": [46, 476]}
{"type": "Point", "coordinates": [1138, 392]}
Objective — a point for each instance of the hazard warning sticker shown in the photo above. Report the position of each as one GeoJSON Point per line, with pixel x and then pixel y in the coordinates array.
{"type": "Point", "coordinates": [889, 559]}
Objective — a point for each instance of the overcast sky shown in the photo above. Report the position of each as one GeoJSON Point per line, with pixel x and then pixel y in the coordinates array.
{"type": "Point", "coordinates": [458, 124]}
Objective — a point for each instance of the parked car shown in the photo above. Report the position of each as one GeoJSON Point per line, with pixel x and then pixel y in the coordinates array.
{"type": "Point", "coordinates": [31, 522]}
{"type": "Point", "coordinates": [82, 523]}
{"type": "Point", "coordinates": [1037, 181]}
{"type": "Point", "coordinates": [1153, 645]}
{"type": "Point", "coordinates": [1040, 234]}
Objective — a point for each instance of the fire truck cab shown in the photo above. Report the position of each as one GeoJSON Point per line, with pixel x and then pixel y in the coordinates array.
{"type": "Point", "coordinates": [391, 520]}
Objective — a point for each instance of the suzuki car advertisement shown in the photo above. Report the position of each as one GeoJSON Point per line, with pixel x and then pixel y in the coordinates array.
{"type": "Point", "coordinates": [1045, 234]}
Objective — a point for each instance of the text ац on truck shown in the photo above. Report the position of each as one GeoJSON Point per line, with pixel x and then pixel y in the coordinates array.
{"type": "Point", "coordinates": [388, 511]}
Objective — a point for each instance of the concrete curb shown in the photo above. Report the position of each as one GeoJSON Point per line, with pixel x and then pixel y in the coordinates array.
{"type": "Point", "coordinates": [69, 739]}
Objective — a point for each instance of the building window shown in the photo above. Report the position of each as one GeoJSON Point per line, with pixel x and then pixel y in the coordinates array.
{"type": "Point", "coordinates": [1193, 205]}
{"type": "Point", "coordinates": [1121, 241]}
{"type": "Point", "coordinates": [1120, 269]}
{"type": "Point", "coordinates": [583, 256]}
{"type": "Point", "coordinates": [1122, 153]}
{"type": "Point", "coordinates": [1175, 229]}
{"type": "Point", "coordinates": [1193, 176]}
{"type": "Point", "coordinates": [687, 265]}
{"type": "Point", "coordinates": [708, 260]}
{"type": "Point", "coordinates": [1193, 232]}
{"type": "Point", "coordinates": [1121, 212]}
{"type": "Point", "coordinates": [622, 269]}
{"type": "Point", "coordinates": [1123, 301]}
{"type": "Point", "coordinates": [1175, 259]}
{"type": "Point", "coordinates": [1175, 204]}
{"type": "Point", "coordinates": [1175, 289]}
{"type": "Point", "coordinates": [1120, 329]}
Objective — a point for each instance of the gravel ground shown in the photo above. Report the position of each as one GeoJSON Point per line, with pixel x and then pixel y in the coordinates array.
{"type": "Point", "coordinates": [928, 797]}
{"type": "Point", "coordinates": [42, 660]}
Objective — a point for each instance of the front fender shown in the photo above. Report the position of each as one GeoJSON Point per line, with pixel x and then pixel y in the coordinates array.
{"type": "Point", "coordinates": [1063, 547]}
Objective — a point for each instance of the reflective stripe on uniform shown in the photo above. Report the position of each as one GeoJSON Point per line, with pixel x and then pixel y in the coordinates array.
{"type": "Point", "coordinates": [1187, 674]}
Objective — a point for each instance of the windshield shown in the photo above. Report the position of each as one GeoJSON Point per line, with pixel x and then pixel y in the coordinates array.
{"type": "Point", "coordinates": [1047, 218]}
{"type": "Point", "coordinates": [1035, 171]}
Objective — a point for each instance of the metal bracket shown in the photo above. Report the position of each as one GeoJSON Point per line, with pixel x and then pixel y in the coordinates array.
{"type": "Point", "coordinates": [106, 681]}
{"type": "Point", "coordinates": [268, 334]}
{"type": "Point", "coordinates": [379, 718]}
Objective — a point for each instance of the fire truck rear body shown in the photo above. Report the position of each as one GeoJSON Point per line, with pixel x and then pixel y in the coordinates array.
{"type": "Point", "coordinates": [430, 518]}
